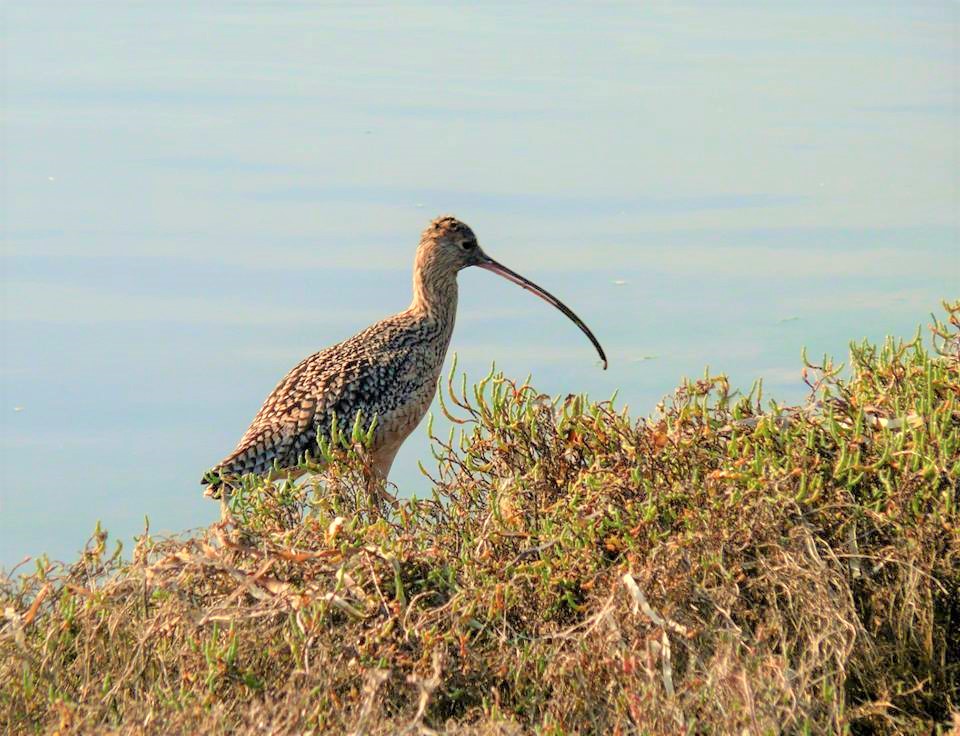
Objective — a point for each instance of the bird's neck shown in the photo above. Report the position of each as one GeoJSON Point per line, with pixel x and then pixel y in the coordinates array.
{"type": "Point", "coordinates": [434, 293]}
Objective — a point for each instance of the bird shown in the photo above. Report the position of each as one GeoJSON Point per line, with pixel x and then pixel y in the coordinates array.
{"type": "Point", "coordinates": [387, 373]}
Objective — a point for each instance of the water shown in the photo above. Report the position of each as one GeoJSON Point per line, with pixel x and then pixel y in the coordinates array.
{"type": "Point", "coordinates": [197, 195]}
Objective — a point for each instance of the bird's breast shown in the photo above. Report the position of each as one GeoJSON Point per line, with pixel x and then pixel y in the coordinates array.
{"type": "Point", "coordinates": [413, 383]}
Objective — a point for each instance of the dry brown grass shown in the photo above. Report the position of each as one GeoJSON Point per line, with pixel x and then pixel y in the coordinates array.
{"type": "Point", "coordinates": [721, 567]}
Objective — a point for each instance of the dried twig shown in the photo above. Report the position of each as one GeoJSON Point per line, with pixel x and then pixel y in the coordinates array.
{"type": "Point", "coordinates": [663, 647]}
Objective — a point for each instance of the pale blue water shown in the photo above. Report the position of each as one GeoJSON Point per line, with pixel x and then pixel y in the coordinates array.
{"type": "Point", "coordinates": [197, 195]}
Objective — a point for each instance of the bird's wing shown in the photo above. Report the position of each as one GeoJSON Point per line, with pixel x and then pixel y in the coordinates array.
{"type": "Point", "coordinates": [340, 380]}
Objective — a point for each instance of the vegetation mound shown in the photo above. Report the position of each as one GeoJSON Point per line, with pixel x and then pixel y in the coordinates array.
{"type": "Point", "coordinates": [722, 567]}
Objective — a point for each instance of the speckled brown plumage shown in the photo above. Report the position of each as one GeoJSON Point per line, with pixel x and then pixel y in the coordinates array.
{"type": "Point", "coordinates": [388, 371]}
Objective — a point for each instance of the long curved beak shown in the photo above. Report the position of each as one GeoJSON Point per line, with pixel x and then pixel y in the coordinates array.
{"type": "Point", "coordinates": [501, 270]}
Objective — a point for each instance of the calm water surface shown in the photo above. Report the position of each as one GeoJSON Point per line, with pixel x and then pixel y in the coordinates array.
{"type": "Point", "coordinates": [197, 195]}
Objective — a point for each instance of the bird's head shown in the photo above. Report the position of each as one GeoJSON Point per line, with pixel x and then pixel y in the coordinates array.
{"type": "Point", "coordinates": [448, 246]}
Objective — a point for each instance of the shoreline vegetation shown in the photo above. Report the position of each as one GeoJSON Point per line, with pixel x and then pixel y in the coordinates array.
{"type": "Point", "coordinates": [724, 566]}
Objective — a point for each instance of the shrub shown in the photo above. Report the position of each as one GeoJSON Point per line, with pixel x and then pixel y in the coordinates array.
{"type": "Point", "coordinates": [720, 567]}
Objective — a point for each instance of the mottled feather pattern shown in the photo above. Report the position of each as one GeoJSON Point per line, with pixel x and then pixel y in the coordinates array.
{"type": "Point", "coordinates": [388, 371]}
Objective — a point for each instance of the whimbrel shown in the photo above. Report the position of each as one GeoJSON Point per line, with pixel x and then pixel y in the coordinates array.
{"type": "Point", "coordinates": [388, 371]}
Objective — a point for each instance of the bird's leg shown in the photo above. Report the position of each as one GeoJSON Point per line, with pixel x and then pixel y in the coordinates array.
{"type": "Point", "coordinates": [377, 489]}
{"type": "Point", "coordinates": [377, 476]}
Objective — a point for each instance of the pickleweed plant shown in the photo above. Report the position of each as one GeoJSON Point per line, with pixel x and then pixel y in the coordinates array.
{"type": "Point", "coordinates": [727, 564]}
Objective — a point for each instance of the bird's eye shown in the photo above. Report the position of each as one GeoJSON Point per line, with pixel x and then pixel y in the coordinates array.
{"type": "Point", "coordinates": [468, 245]}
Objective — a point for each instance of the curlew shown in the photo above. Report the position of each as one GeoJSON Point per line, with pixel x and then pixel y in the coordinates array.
{"type": "Point", "coordinates": [388, 372]}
